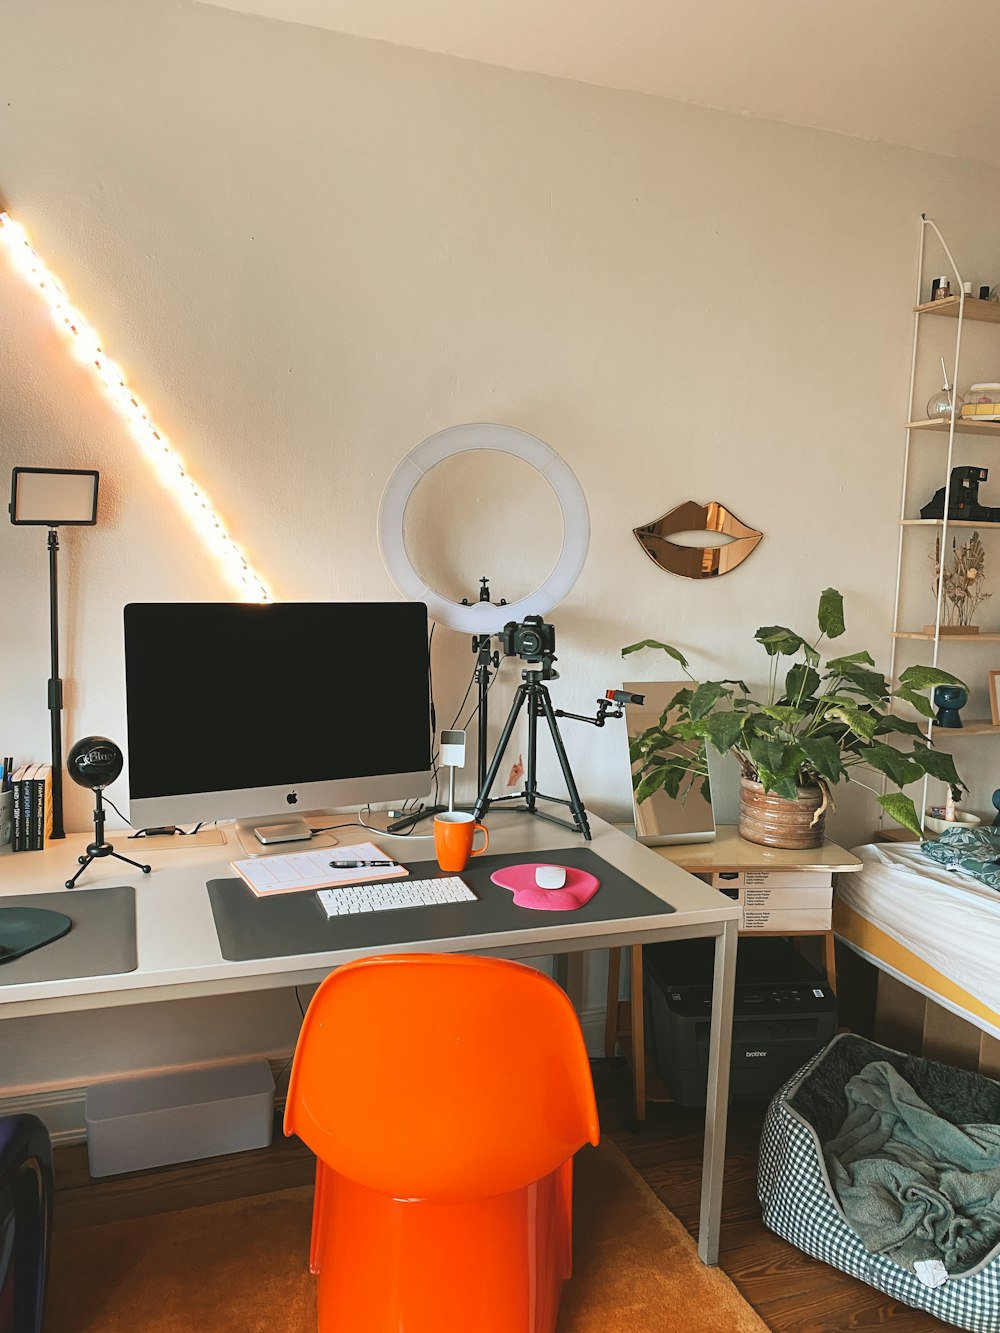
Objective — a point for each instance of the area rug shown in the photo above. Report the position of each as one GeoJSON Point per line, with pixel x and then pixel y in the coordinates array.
{"type": "Point", "coordinates": [241, 1267]}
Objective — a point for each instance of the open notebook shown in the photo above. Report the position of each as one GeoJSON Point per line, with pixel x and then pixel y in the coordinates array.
{"type": "Point", "coordinates": [267, 875]}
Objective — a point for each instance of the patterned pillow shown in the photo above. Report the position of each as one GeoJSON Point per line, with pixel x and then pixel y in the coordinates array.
{"type": "Point", "coordinates": [976, 851]}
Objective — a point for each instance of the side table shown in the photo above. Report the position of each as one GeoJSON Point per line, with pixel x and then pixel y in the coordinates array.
{"type": "Point", "coordinates": [728, 852]}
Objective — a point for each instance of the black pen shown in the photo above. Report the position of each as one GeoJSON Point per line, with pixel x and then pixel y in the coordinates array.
{"type": "Point", "coordinates": [352, 865]}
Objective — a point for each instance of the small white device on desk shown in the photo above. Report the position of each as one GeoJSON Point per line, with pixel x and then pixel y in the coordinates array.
{"type": "Point", "coordinates": [452, 756]}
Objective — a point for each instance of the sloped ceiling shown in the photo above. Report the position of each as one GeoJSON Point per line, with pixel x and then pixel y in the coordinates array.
{"type": "Point", "coordinates": [913, 72]}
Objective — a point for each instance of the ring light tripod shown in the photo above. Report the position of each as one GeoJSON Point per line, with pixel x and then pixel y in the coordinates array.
{"type": "Point", "coordinates": [486, 659]}
{"type": "Point", "coordinates": [534, 694]}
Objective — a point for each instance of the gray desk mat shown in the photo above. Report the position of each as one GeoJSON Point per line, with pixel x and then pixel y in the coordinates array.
{"type": "Point", "coordinates": [294, 923]}
{"type": "Point", "coordinates": [100, 943]}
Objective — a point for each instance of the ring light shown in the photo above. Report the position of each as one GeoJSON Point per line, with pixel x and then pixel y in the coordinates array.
{"type": "Point", "coordinates": [482, 617]}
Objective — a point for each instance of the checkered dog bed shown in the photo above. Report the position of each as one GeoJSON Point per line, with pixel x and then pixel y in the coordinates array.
{"type": "Point", "coordinates": [799, 1203]}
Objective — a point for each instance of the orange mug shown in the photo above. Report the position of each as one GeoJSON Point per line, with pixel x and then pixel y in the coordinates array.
{"type": "Point", "coordinates": [454, 833]}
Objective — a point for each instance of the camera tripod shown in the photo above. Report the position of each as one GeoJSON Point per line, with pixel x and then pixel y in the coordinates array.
{"type": "Point", "coordinates": [533, 693]}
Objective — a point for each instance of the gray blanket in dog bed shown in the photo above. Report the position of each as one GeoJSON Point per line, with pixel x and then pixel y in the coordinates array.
{"type": "Point", "coordinates": [912, 1184]}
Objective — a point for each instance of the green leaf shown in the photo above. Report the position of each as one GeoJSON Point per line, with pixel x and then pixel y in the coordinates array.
{"type": "Point", "coordinates": [655, 643]}
{"type": "Point", "coordinates": [724, 730]}
{"type": "Point", "coordinates": [743, 686]}
{"type": "Point", "coordinates": [706, 697]}
{"type": "Point", "coordinates": [923, 677]}
{"type": "Point", "coordinates": [760, 724]}
{"type": "Point", "coordinates": [902, 810]}
{"type": "Point", "coordinates": [784, 786]}
{"type": "Point", "coordinates": [649, 784]}
{"type": "Point", "coordinates": [824, 756]}
{"type": "Point", "coordinates": [673, 777]}
{"type": "Point", "coordinates": [801, 683]}
{"type": "Point", "coordinates": [772, 755]}
{"type": "Point", "coordinates": [785, 714]}
{"type": "Point", "coordinates": [831, 613]}
{"type": "Point", "coordinates": [777, 639]}
{"type": "Point", "coordinates": [900, 768]}
{"type": "Point", "coordinates": [919, 701]}
{"type": "Point", "coordinates": [900, 724]}
{"type": "Point", "coordinates": [939, 765]}
{"type": "Point", "coordinates": [872, 684]}
{"type": "Point", "coordinates": [678, 704]}
{"type": "Point", "coordinates": [852, 659]}
{"type": "Point", "coordinates": [862, 724]}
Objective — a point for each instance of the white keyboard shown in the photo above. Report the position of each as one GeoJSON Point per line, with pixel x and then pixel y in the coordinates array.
{"type": "Point", "coordinates": [387, 896]}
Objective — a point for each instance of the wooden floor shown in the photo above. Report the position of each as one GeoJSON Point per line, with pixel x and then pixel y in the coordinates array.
{"type": "Point", "coordinates": [792, 1292]}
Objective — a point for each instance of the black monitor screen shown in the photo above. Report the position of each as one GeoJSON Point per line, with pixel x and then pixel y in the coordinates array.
{"type": "Point", "coordinates": [228, 696]}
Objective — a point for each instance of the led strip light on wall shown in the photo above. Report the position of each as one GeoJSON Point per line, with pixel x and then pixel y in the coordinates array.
{"type": "Point", "coordinates": [164, 459]}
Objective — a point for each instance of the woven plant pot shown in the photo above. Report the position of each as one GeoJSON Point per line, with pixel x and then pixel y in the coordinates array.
{"type": "Point", "coordinates": [773, 821]}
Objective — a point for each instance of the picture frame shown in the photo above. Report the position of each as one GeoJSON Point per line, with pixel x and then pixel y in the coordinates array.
{"type": "Point", "coordinates": [994, 687]}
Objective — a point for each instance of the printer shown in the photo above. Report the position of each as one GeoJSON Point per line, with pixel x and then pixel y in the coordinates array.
{"type": "Point", "coordinates": [784, 1012]}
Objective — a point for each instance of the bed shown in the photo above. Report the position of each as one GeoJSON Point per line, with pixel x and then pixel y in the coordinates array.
{"type": "Point", "coordinates": [934, 935]}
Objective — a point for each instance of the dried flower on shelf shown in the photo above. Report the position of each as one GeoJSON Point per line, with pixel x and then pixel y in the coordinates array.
{"type": "Point", "coordinates": [963, 579]}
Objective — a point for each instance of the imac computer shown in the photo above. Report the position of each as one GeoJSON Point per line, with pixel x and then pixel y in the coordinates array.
{"type": "Point", "coordinates": [259, 712]}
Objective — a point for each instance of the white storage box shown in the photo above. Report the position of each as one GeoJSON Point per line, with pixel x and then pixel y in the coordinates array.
{"type": "Point", "coordinates": [137, 1123]}
{"type": "Point", "coordinates": [775, 904]}
{"type": "Point", "coordinates": [772, 879]}
{"type": "Point", "coordinates": [787, 922]}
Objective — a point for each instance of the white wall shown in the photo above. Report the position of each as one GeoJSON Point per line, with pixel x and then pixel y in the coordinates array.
{"type": "Point", "coordinates": [311, 251]}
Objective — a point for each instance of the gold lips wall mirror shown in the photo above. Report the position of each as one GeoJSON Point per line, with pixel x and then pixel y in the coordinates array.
{"type": "Point", "coordinates": [692, 561]}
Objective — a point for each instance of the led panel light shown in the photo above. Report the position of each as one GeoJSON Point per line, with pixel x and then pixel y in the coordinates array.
{"type": "Point", "coordinates": [54, 497]}
{"type": "Point", "coordinates": [157, 450]}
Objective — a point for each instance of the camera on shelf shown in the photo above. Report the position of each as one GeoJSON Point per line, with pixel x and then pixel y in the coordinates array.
{"type": "Point", "coordinates": [963, 498]}
{"type": "Point", "coordinates": [531, 639]}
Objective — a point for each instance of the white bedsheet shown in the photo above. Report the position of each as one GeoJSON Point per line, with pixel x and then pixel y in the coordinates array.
{"type": "Point", "coordinates": [949, 920]}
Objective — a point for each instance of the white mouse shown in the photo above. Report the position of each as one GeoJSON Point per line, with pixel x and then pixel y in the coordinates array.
{"type": "Point", "coordinates": [550, 877]}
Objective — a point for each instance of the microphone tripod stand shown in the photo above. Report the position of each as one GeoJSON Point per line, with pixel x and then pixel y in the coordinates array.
{"type": "Point", "coordinates": [99, 847]}
{"type": "Point", "coordinates": [534, 695]}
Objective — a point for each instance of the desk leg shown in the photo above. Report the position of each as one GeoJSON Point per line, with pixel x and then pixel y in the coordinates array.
{"type": "Point", "coordinates": [830, 954]}
{"type": "Point", "coordinates": [717, 1105]}
{"type": "Point", "coordinates": [637, 1006]}
{"type": "Point", "coordinates": [567, 972]}
{"type": "Point", "coordinates": [611, 1017]}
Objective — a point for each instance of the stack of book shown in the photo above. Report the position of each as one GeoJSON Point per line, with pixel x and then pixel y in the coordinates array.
{"type": "Point", "coordinates": [31, 786]}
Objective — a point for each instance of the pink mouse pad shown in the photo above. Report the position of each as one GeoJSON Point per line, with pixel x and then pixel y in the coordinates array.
{"type": "Point", "coordinates": [579, 888]}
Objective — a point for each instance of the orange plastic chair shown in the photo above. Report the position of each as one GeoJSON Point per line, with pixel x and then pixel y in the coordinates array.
{"type": "Point", "coordinates": [444, 1097]}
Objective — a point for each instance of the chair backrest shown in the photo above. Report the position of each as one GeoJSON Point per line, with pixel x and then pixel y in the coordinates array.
{"type": "Point", "coordinates": [441, 1076]}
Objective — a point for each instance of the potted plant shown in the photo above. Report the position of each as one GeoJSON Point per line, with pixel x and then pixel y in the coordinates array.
{"type": "Point", "coordinates": [819, 724]}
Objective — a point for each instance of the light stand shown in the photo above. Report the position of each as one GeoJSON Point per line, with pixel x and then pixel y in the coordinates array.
{"type": "Point", "coordinates": [55, 690]}
{"type": "Point", "coordinates": [487, 659]}
{"type": "Point", "coordinates": [52, 498]}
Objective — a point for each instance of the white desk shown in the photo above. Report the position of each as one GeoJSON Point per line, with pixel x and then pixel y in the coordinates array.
{"type": "Point", "coordinates": [179, 955]}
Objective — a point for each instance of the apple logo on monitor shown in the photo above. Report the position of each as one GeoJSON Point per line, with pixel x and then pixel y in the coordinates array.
{"type": "Point", "coordinates": [292, 798]}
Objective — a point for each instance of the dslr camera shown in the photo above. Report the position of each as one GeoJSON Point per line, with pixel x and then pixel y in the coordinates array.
{"type": "Point", "coordinates": [963, 498]}
{"type": "Point", "coordinates": [531, 639]}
